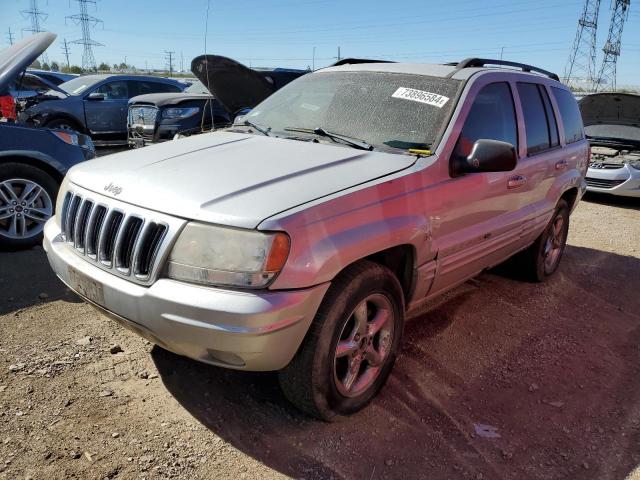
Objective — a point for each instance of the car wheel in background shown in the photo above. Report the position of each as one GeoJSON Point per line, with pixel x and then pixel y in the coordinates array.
{"type": "Point", "coordinates": [27, 201]}
{"type": "Point", "coordinates": [62, 124]}
{"type": "Point", "coordinates": [542, 258]}
{"type": "Point", "coordinates": [351, 345]}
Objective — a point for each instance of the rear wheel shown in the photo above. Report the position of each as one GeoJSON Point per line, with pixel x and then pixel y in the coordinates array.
{"type": "Point", "coordinates": [27, 200]}
{"type": "Point", "coordinates": [541, 259]}
{"type": "Point", "coordinates": [351, 346]}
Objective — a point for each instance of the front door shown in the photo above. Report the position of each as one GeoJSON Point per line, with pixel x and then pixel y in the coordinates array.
{"type": "Point", "coordinates": [108, 115]}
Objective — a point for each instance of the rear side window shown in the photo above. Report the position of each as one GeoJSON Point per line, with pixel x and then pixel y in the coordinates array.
{"type": "Point", "coordinates": [142, 88]}
{"type": "Point", "coordinates": [569, 115]}
{"type": "Point", "coordinates": [492, 117]}
{"type": "Point", "coordinates": [539, 122]}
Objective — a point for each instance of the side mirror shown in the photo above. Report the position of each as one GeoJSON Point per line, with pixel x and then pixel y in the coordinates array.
{"type": "Point", "coordinates": [487, 156]}
{"type": "Point", "coordinates": [95, 96]}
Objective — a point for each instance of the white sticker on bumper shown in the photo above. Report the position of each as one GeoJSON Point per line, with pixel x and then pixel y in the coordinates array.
{"type": "Point", "coordinates": [421, 96]}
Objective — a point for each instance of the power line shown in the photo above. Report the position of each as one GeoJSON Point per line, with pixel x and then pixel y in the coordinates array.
{"type": "Point", "coordinates": [65, 50]}
{"type": "Point", "coordinates": [35, 15]}
{"type": "Point", "coordinates": [10, 36]}
{"type": "Point", "coordinates": [169, 59]}
{"type": "Point", "coordinates": [607, 76]}
{"type": "Point", "coordinates": [86, 21]}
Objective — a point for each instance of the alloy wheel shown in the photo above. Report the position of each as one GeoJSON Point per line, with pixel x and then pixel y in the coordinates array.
{"type": "Point", "coordinates": [25, 206]}
{"type": "Point", "coordinates": [553, 244]}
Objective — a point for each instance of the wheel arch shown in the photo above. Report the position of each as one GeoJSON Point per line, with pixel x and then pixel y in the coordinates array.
{"type": "Point", "coordinates": [571, 197]}
{"type": "Point", "coordinates": [35, 159]}
{"type": "Point", "coordinates": [66, 116]}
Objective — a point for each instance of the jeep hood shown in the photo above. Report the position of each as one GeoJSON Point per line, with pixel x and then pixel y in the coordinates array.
{"type": "Point", "coordinates": [233, 179]}
{"type": "Point", "coordinates": [20, 55]}
{"type": "Point", "coordinates": [164, 99]}
{"type": "Point", "coordinates": [611, 115]}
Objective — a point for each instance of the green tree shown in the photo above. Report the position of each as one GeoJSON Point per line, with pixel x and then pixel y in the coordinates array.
{"type": "Point", "coordinates": [55, 67]}
{"type": "Point", "coordinates": [45, 66]}
{"type": "Point", "coordinates": [123, 66]}
{"type": "Point", "coordinates": [36, 65]}
{"type": "Point", "coordinates": [104, 66]}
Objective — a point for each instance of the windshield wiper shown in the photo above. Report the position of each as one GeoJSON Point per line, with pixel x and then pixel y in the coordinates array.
{"type": "Point", "coordinates": [264, 131]}
{"type": "Point", "coordinates": [321, 132]}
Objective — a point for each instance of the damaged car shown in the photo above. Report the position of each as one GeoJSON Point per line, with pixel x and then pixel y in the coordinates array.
{"type": "Point", "coordinates": [212, 102]}
{"type": "Point", "coordinates": [92, 104]}
{"type": "Point", "coordinates": [33, 161]}
{"type": "Point", "coordinates": [612, 125]}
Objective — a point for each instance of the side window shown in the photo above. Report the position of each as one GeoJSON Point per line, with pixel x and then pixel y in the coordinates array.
{"type": "Point", "coordinates": [142, 88]}
{"type": "Point", "coordinates": [492, 116]}
{"type": "Point", "coordinates": [569, 114]}
{"type": "Point", "coordinates": [554, 137]}
{"type": "Point", "coordinates": [537, 124]}
{"type": "Point", "coordinates": [114, 90]}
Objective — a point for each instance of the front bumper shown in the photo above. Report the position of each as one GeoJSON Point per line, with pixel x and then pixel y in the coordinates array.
{"type": "Point", "coordinates": [245, 330]}
{"type": "Point", "coordinates": [623, 181]}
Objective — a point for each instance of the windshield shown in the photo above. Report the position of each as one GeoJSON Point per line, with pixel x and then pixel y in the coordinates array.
{"type": "Point", "coordinates": [79, 85]}
{"type": "Point", "coordinates": [197, 87]}
{"type": "Point", "coordinates": [386, 110]}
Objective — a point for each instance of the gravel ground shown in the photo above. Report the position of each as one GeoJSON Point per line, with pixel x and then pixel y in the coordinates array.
{"type": "Point", "coordinates": [497, 379]}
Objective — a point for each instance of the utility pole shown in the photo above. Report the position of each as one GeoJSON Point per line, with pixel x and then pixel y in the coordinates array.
{"type": "Point", "coordinates": [338, 53]}
{"type": "Point", "coordinates": [86, 21]}
{"type": "Point", "coordinates": [10, 36]}
{"type": "Point", "coordinates": [65, 50]}
{"type": "Point", "coordinates": [169, 59]}
{"type": "Point", "coordinates": [607, 75]}
{"type": "Point", "coordinates": [582, 59]}
{"type": "Point", "coordinates": [313, 60]}
{"type": "Point", "coordinates": [181, 61]}
{"type": "Point", "coordinates": [35, 15]}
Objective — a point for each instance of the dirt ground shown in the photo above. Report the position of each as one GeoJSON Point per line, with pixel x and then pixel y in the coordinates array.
{"type": "Point", "coordinates": [499, 379]}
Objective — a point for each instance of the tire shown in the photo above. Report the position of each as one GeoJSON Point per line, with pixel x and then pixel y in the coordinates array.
{"type": "Point", "coordinates": [317, 381]}
{"type": "Point", "coordinates": [542, 258]}
{"type": "Point", "coordinates": [22, 219]}
{"type": "Point", "coordinates": [62, 123]}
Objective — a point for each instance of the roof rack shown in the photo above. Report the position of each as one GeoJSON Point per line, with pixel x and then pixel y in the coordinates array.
{"type": "Point", "coordinates": [482, 62]}
{"type": "Point", "coordinates": [354, 61]}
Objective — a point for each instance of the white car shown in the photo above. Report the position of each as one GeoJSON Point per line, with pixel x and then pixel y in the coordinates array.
{"type": "Point", "coordinates": [612, 125]}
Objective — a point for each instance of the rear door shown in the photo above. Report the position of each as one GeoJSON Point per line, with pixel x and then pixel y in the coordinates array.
{"type": "Point", "coordinates": [109, 115]}
{"type": "Point", "coordinates": [540, 157]}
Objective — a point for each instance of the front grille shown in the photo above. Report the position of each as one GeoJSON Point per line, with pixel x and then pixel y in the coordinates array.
{"type": "Point", "coordinates": [142, 115]}
{"type": "Point", "coordinates": [602, 183]}
{"type": "Point", "coordinates": [122, 239]}
{"type": "Point", "coordinates": [606, 166]}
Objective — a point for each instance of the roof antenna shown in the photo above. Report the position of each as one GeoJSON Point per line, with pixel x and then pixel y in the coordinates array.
{"type": "Point", "coordinates": [206, 66]}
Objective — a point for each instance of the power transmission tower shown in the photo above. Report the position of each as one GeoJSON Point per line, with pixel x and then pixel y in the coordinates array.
{"type": "Point", "coordinates": [65, 50]}
{"type": "Point", "coordinates": [169, 59]}
{"type": "Point", "coordinates": [86, 21]}
{"type": "Point", "coordinates": [581, 65]}
{"type": "Point", "coordinates": [36, 16]}
{"type": "Point", "coordinates": [10, 36]}
{"type": "Point", "coordinates": [607, 75]}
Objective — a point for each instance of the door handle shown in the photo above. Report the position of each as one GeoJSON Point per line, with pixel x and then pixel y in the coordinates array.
{"type": "Point", "coordinates": [562, 164]}
{"type": "Point", "coordinates": [516, 181]}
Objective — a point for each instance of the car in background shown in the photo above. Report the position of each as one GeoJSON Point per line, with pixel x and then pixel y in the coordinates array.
{"type": "Point", "coordinates": [93, 104]}
{"type": "Point", "coordinates": [29, 85]}
{"type": "Point", "coordinates": [33, 161]}
{"type": "Point", "coordinates": [211, 102]}
{"type": "Point", "coordinates": [612, 125]}
{"type": "Point", "coordinates": [53, 77]}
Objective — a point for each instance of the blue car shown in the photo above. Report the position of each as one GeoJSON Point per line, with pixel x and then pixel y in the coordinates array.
{"type": "Point", "coordinates": [53, 77]}
{"type": "Point", "coordinates": [93, 104]}
{"type": "Point", "coordinates": [33, 161]}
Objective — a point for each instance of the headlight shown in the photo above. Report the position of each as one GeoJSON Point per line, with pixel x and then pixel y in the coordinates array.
{"type": "Point", "coordinates": [212, 255]}
{"type": "Point", "coordinates": [179, 113]}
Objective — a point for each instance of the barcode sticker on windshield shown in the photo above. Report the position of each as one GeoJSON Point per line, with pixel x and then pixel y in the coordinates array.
{"type": "Point", "coordinates": [421, 96]}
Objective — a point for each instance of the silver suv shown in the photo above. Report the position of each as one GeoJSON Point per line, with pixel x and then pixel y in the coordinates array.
{"type": "Point", "coordinates": [297, 239]}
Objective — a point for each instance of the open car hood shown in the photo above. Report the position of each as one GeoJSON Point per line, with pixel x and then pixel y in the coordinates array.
{"type": "Point", "coordinates": [235, 86]}
{"type": "Point", "coordinates": [611, 115]}
{"type": "Point", "coordinates": [20, 55]}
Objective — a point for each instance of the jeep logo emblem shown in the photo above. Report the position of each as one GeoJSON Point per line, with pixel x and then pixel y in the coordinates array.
{"type": "Point", "coordinates": [114, 189]}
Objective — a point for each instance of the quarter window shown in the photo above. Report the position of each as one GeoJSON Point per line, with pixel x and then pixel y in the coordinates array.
{"type": "Point", "coordinates": [539, 122]}
{"type": "Point", "coordinates": [492, 117]}
{"type": "Point", "coordinates": [569, 115]}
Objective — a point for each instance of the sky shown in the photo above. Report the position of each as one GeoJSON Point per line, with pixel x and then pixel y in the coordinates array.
{"type": "Point", "coordinates": [286, 33]}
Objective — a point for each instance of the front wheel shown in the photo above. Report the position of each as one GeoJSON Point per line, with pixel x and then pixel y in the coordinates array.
{"type": "Point", "coordinates": [62, 124]}
{"type": "Point", "coordinates": [351, 346]}
{"type": "Point", "coordinates": [27, 196]}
